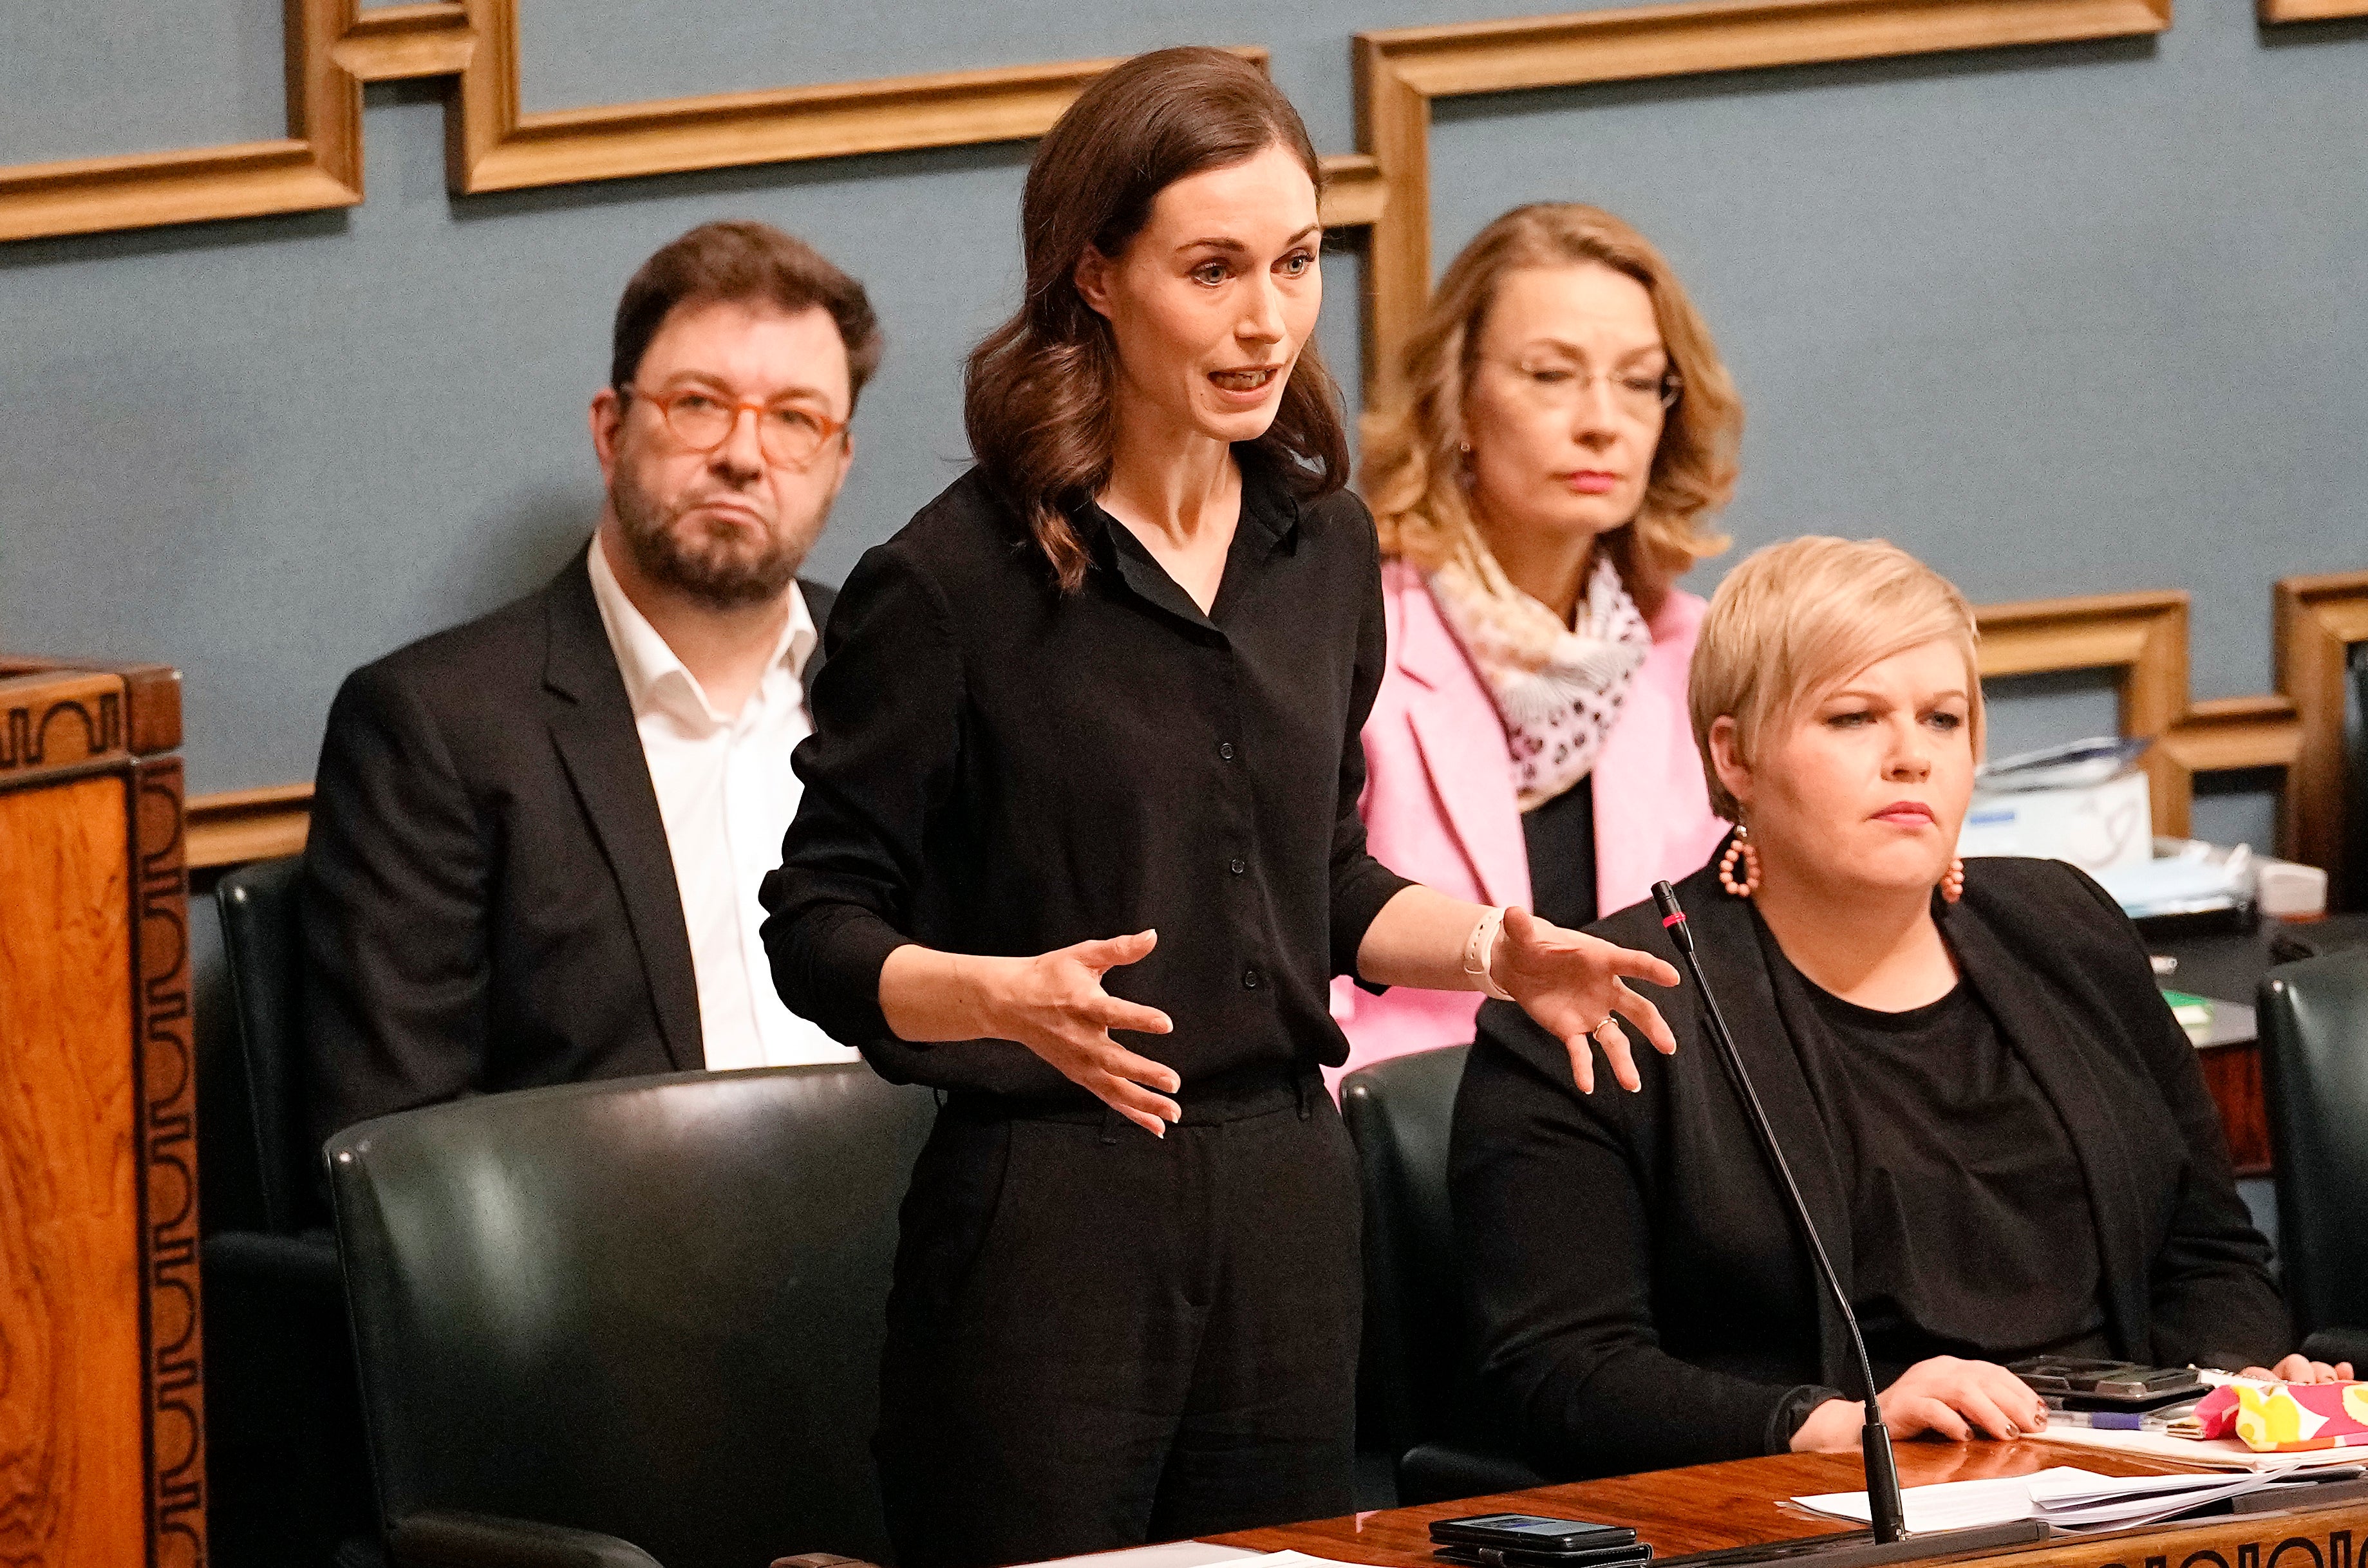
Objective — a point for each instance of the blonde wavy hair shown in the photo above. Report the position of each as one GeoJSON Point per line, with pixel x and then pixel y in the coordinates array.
{"type": "Point", "coordinates": [1413, 467]}
{"type": "Point", "coordinates": [1797, 619]}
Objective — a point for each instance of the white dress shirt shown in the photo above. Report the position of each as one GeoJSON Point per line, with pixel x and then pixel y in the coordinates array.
{"type": "Point", "coordinates": [726, 793]}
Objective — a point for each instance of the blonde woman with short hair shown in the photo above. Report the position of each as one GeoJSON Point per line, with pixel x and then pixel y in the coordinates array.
{"type": "Point", "coordinates": [2000, 1129]}
{"type": "Point", "coordinates": [1566, 437]}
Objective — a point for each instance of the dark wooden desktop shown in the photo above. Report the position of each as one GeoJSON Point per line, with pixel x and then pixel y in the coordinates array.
{"type": "Point", "coordinates": [1709, 1507]}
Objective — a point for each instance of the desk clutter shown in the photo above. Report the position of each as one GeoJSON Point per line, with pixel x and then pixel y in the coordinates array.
{"type": "Point", "coordinates": [2089, 803]}
{"type": "Point", "coordinates": [2063, 1498]}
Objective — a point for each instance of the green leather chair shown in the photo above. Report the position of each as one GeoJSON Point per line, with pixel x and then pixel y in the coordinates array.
{"type": "Point", "coordinates": [286, 1469]}
{"type": "Point", "coordinates": [631, 1320]}
{"type": "Point", "coordinates": [2313, 1024]}
{"type": "Point", "coordinates": [1416, 1391]}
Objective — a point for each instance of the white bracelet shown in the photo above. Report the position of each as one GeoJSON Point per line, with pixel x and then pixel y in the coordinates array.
{"type": "Point", "coordinates": [1479, 947]}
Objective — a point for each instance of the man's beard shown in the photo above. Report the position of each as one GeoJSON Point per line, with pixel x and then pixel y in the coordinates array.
{"type": "Point", "coordinates": [714, 564]}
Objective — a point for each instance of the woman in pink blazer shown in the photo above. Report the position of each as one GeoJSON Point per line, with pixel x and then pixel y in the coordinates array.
{"type": "Point", "coordinates": [1568, 433]}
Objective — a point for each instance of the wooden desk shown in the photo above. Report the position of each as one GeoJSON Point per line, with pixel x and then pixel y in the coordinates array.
{"type": "Point", "coordinates": [1732, 1505]}
{"type": "Point", "coordinates": [102, 1424]}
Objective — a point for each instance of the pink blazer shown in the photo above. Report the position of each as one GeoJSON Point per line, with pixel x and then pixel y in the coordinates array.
{"type": "Point", "coordinates": [1438, 802]}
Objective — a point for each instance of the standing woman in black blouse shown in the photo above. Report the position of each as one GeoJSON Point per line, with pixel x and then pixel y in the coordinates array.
{"type": "Point", "coordinates": [1086, 760]}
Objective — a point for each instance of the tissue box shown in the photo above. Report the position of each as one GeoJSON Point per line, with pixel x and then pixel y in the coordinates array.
{"type": "Point", "coordinates": [2095, 826]}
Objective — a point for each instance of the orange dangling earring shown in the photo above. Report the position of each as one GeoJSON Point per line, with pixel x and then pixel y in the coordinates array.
{"type": "Point", "coordinates": [1739, 847]}
{"type": "Point", "coordinates": [1953, 886]}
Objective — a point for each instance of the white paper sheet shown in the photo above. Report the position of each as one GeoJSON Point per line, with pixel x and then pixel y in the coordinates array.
{"type": "Point", "coordinates": [1950, 1505]}
{"type": "Point", "coordinates": [2119, 1502]}
{"type": "Point", "coordinates": [2220, 1453]}
{"type": "Point", "coordinates": [1190, 1554]}
{"type": "Point", "coordinates": [2066, 1497]}
{"type": "Point", "coordinates": [1169, 1554]}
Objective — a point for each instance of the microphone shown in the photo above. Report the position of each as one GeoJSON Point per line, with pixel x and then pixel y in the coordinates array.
{"type": "Point", "coordinates": [1886, 1510]}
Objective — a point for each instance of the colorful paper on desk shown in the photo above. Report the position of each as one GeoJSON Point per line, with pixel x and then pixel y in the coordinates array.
{"type": "Point", "coordinates": [2286, 1418]}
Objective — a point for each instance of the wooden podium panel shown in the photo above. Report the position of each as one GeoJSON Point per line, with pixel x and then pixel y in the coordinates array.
{"type": "Point", "coordinates": [102, 1439]}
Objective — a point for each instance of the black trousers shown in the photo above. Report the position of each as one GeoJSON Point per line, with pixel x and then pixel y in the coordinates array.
{"type": "Point", "coordinates": [1099, 1338]}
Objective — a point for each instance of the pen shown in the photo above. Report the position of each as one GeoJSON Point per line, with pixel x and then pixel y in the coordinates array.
{"type": "Point", "coordinates": [2164, 1419]}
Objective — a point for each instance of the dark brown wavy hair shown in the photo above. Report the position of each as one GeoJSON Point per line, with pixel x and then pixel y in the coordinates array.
{"type": "Point", "coordinates": [1039, 394]}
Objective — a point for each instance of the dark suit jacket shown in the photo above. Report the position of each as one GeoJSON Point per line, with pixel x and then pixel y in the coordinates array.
{"type": "Point", "coordinates": [1642, 1297]}
{"type": "Point", "coordinates": [489, 901]}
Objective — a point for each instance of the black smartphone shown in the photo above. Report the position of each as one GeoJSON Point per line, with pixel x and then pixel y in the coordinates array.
{"type": "Point", "coordinates": [1516, 1557]}
{"type": "Point", "coordinates": [1530, 1532]}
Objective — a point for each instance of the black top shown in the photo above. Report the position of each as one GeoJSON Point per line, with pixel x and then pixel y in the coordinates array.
{"type": "Point", "coordinates": [1968, 1215]}
{"type": "Point", "coordinates": [489, 901]}
{"type": "Point", "coordinates": [998, 767]}
{"type": "Point", "coordinates": [1641, 1296]}
{"type": "Point", "coordinates": [1560, 837]}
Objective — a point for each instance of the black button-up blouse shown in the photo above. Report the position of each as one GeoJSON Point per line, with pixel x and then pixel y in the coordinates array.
{"type": "Point", "coordinates": [998, 767]}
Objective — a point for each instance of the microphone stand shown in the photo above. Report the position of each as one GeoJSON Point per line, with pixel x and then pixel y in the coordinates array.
{"type": "Point", "coordinates": [1890, 1541]}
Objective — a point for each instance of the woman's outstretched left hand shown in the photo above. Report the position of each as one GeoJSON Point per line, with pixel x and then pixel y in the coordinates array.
{"type": "Point", "coordinates": [2300, 1369]}
{"type": "Point", "coordinates": [1573, 985]}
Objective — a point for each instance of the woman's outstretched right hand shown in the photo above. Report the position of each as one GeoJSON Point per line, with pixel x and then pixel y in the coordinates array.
{"type": "Point", "coordinates": [1053, 1004]}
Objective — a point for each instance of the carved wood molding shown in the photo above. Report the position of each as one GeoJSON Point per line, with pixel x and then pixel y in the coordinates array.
{"type": "Point", "coordinates": [2317, 621]}
{"type": "Point", "coordinates": [1384, 187]}
{"type": "Point", "coordinates": [2143, 638]}
{"type": "Point", "coordinates": [166, 1057]}
{"type": "Point", "coordinates": [1400, 71]}
{"type": "Point", "coordinates": [316, 166]}
{"type": "Point", "coordinates": [239, 826]}
{"type": "Point", "coordinates": [2272, 12]}
{"type": "Point", "coordinates": [60, 714]}
{"type": "Point", "coordinates": [333, 49]}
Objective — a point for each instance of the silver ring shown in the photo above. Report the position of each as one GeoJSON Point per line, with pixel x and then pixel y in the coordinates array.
{"type": "Point", "coordinates": [1602, 1026]}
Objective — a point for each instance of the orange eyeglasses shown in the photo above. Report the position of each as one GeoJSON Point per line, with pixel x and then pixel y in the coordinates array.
{"type": "Point", "coordinates": [789, 435]}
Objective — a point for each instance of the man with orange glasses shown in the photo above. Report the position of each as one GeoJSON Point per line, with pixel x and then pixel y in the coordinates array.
{"type": "Point", "coordinates": [537, 837]}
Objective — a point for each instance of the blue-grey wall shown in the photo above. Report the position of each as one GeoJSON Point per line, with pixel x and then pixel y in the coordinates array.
{"type": "Point", "coordinates": [2061, 320]}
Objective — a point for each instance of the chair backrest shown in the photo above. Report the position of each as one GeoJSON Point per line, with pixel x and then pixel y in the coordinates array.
{"type": "Point", "coordinates": [2350, 890]}
{"type": "Point", "coordinates": [1413, 1380]}
{"type": "Point", "coordinates": [2313, 1022]}
{"type": "Point", "coordinates": [652, 1308]}
{"type": "Point", "coordinates": [262, 941]}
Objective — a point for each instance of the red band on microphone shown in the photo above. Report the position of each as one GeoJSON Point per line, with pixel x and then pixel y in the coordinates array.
{"type": "Point", "coordinates": [1669, 920]}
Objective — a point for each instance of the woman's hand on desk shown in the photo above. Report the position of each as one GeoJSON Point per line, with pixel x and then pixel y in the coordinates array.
{"type": "Point", "coordinates": [1944, 1396]}
{"type": "Point", "coordinates": [1053, 1004]}
{"type": "Point", "coordinates": [2300, 1369]}
{"type": "Point", "coordinates": [1571, 983]}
